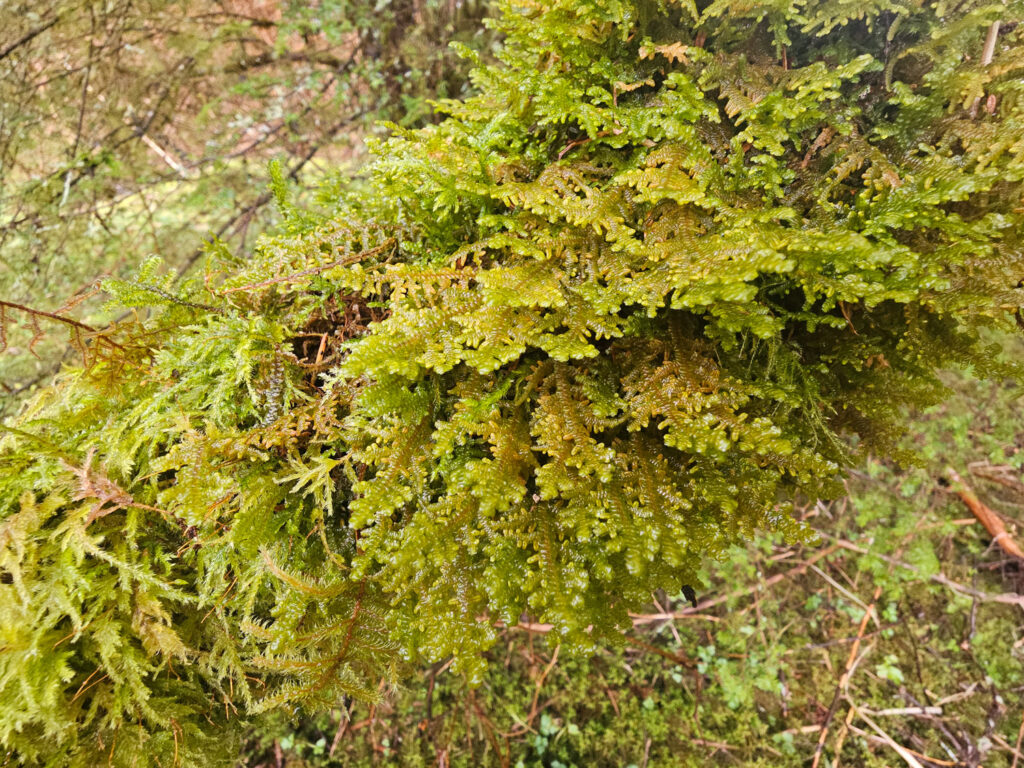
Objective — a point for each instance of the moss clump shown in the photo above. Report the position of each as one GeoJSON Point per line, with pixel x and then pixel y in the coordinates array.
{"type": "Point", "coordinates": [625, 305]}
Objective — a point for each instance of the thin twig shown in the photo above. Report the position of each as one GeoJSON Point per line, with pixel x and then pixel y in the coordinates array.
{"type": "Point", "coordinates": [852, 662]}
{"type": "Point", "coordinates": [540, 684]}
{"type": "Point", "coordinates": [844, 591]}
{"type": "Point", "coordinates": [60, 319]}
{"type": "Point", "coordinates": [844, 679]}
{"type": "Point", "coordinates": [872, 737]}
{"type": "Point", "coordinates": [908, 758]}
{"type": "Point", "coordinates": [769, 582]}
{"type": "Point", "coordinates": [1006, 598]}
{"type": "Point", "coordinates": [164, 155]}
{"type": "Point", "coordinates": [639, 619]}
{"type": "Point", "coordinates": [902, 711]}
{"type": "Point", "coordinates": [27, 37]}
{"type": "Point", "coordinates": [339, 734]}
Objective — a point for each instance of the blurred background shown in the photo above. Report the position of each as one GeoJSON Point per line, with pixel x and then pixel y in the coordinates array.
{"type": "Point", "coordinates": [131, 128]}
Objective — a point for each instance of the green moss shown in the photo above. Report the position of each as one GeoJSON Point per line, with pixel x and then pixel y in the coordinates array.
{"type": "Point", "coordinates": [598, 328]}
{"type": "Point", "coordinates": [757, 683]}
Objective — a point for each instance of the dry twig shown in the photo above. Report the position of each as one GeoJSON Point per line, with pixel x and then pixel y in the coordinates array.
{"type": "Point", "coordinates": [1007, 598]}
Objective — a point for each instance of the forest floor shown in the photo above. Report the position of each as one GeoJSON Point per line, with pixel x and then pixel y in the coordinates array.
{"type": "Point", "coordinates": [895, 639]}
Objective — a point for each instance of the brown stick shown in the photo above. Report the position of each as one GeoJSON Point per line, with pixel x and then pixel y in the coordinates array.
{"type": "Point", "coordinates": [986, 57]}
{"type": "Point", "coordinates": [340, 733]}
{"type": "Point", "coordinates": [985, 516]}
{"type": "Point", "coordinates": [540, 684]}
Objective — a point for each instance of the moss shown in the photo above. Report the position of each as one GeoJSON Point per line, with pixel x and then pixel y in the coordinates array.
{"type": "Point", "coordinates": [760, 674]}
{"type": "Point", "coordinates": [605, 323]}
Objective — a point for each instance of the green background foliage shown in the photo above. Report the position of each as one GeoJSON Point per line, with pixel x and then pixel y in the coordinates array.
{"type": "Point", "coordinates": [670, 270]}
{"type": "Point", "coordinates": [139, 128]}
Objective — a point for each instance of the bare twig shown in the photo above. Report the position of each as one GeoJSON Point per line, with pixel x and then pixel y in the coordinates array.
{"type": "Point", "coordinates": [639, 619]}
{"type": "Point", "coordinates": [81, 110]}
{"type": "Point", "coordinates": [1007, 598]}
{"type": "Point", "coordinates": [60, 319]}
{"type": "Point", "coordinates": [852, 662]}
{"type": "Point", "coordinates": [540, 684]}
{"type": "Point", "coordinates": [670, 621]}
{"type": "Point", "coordinates": [903, 752]}
{"type": "Point", "coordinates": [33, 33]}
{"type": "Point", "coordinates": [339, 734]}
{"type": "Point", "coordinates": [647, 752]}
{"type": "Point", "coordinates": [164, 155]}
{"type": "Point", "coordinates": [847, 593]}
{"type": "Point", "coordinates": [878, 739]}
{"type": "Point", "coordinates": [903, 711]}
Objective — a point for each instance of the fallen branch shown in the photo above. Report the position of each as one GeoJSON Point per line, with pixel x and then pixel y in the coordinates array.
{"type": "Point", "coordinates": [985, 516]}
